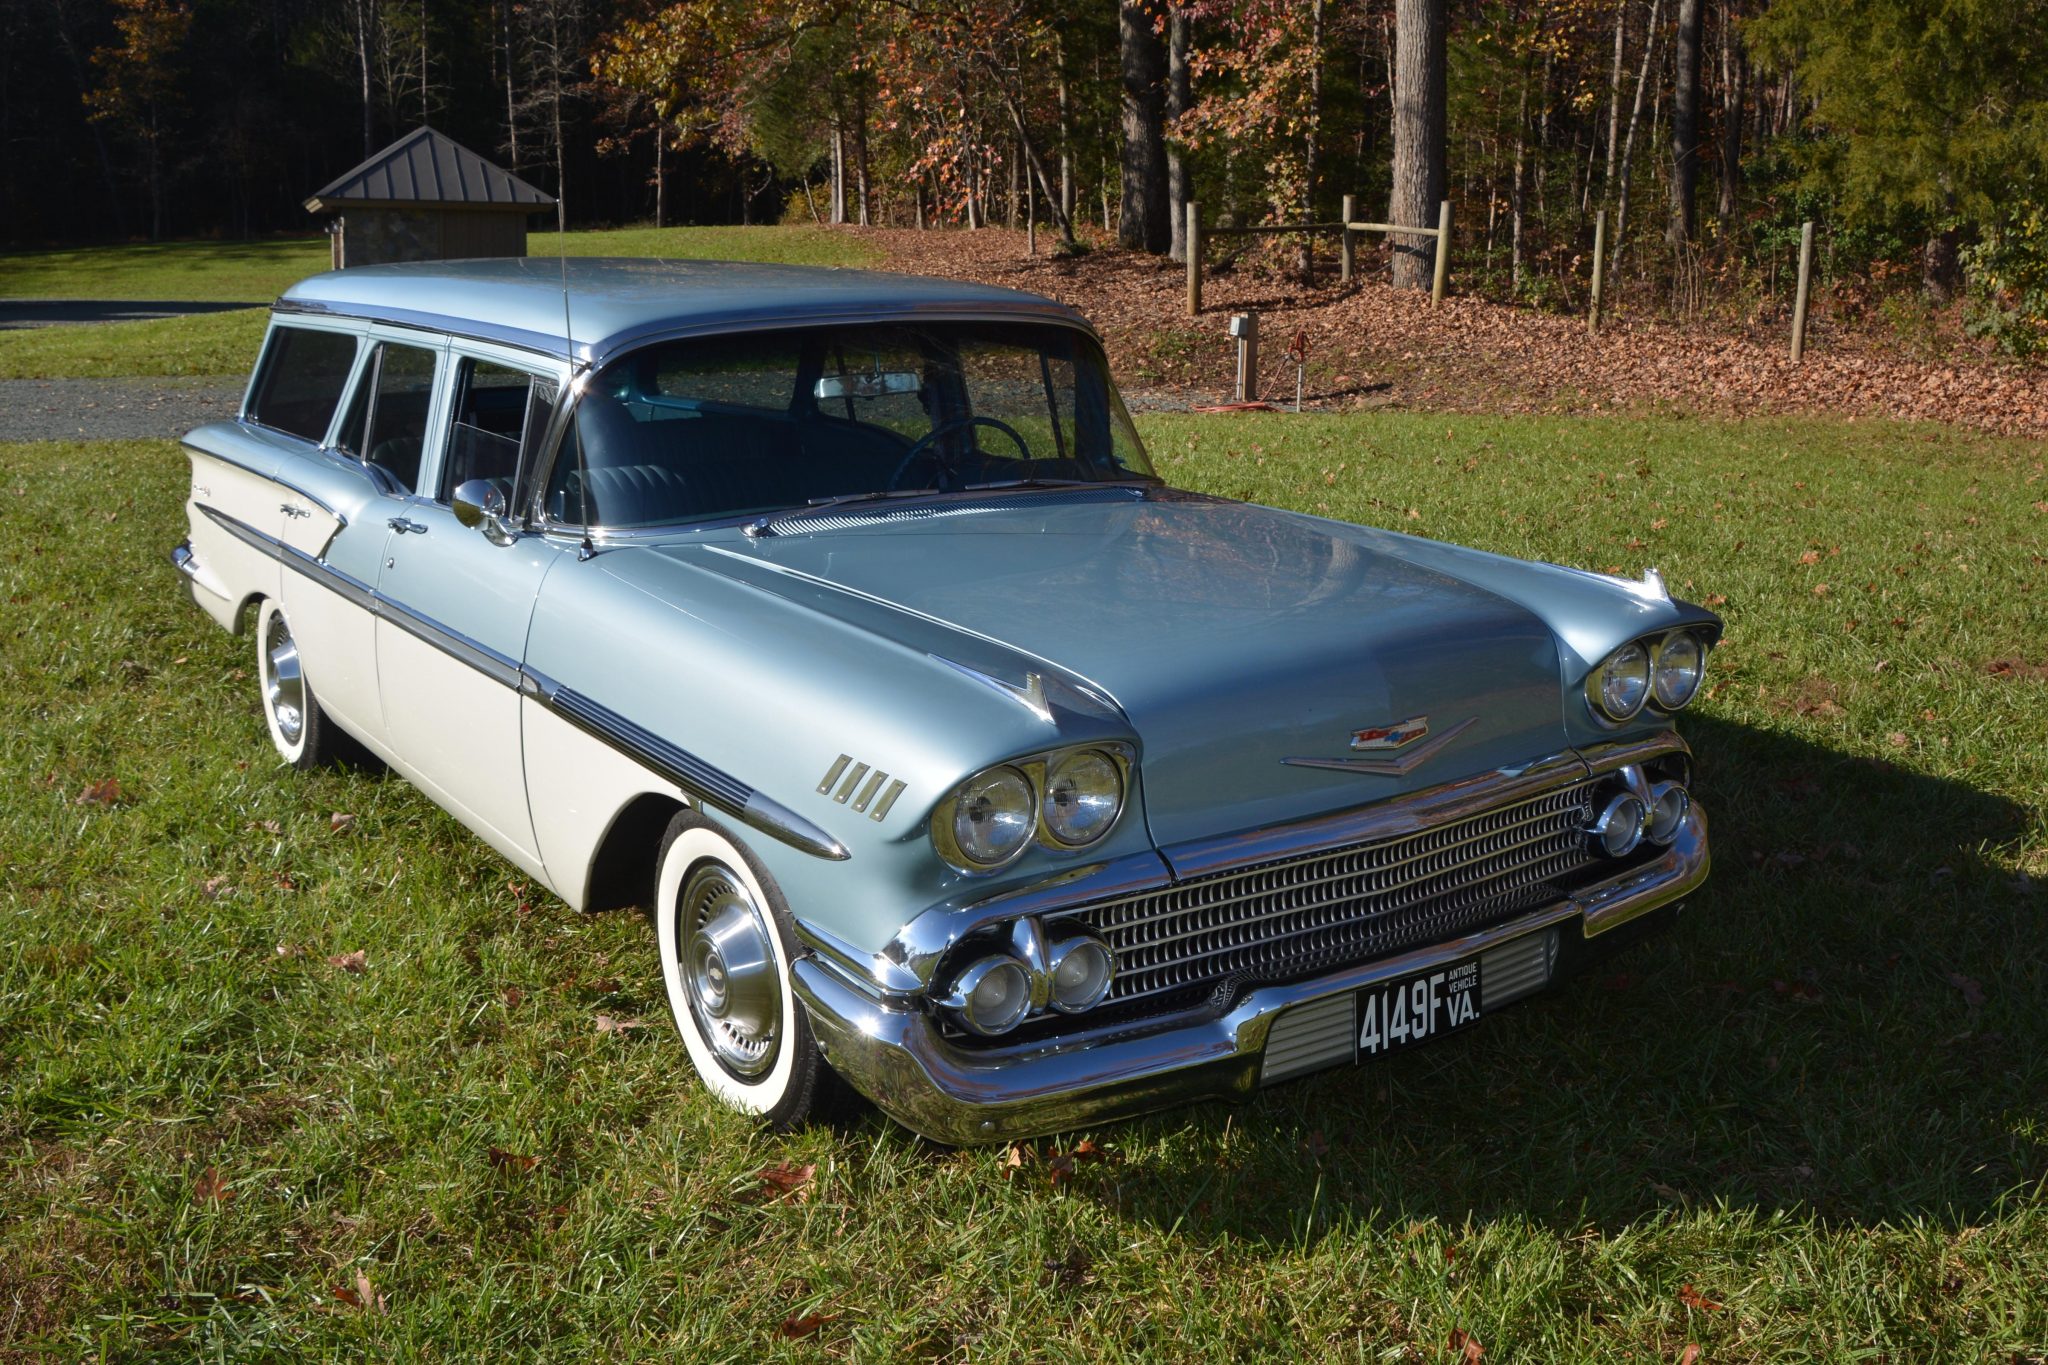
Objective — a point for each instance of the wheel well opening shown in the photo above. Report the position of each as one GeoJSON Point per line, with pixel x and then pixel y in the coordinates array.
{"type": "Point", "coordinates": [623, 872]}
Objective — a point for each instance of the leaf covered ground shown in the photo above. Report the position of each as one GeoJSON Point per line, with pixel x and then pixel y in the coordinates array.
{"type": "Point", "coordinates": [292, 1067]}
{"type": "Point", "coordinates": [1373, 346]}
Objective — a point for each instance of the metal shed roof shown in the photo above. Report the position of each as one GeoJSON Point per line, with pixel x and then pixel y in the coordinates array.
{"type": "Point", "coordinates": [426, 168]}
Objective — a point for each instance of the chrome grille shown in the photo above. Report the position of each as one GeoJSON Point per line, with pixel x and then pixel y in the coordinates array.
{"type": "Point", "coordinates": [1317, 913]}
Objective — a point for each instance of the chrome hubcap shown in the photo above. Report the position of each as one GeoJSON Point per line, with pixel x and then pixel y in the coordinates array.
{"type": "Point", "coordinates": [284, 685]}
{"type": "Point", "coordinates": [728, 970]}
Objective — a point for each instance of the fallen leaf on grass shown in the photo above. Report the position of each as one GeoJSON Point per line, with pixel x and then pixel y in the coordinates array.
{"type": "Point", "coordinates": [363, 1295]}
{"type": "Point", "coordinates": [1467, 1346]}
{"type": "Point", "coordinates": [213, 887]}
{"type": "Point", "coordinates": [512, 995]}
{"type": "Point", "coordinates": [1690, 1354]}
{"type": "Point", "coordinates": [267, 826]}
{"type": "Point", "coordinates": [1714, 599]}
{"type": "Point", "coordinates": [796, 1329]}
{"type": "Point", "coordinates": [340, 821]}
{"type": "Point", "coordinates": [1068, 1271]}
{"type": "Point", "coordinates": [1692, 1298]}
{"type": "Point", "coordinates": [357, 961]}
{"type": "Point", "coordinates": [607, 1024]}
{"type": "Point", "coordinates": [102, 793]}
{"type": "Point", "coordinates": [1796, 990]}
{"type": "Point", "coordinates": [1973, 993]}
{"type": "Point", "coordinates": [1897, 739]}
{"type": "Point", "coordinates": [209, 1188]}
{"type": "Point", "coordinates": [789, 1184]}
{"type": "Point", "coordinates": [1620, 981]}
{"type": "Point", "coordinates": [1316, 1145]}
{"type": "Point", "coordinates": [512, 1161]}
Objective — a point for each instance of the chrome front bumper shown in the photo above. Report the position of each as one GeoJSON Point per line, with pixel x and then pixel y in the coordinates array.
{"type": "Point", "coordinates": [897, 1057]}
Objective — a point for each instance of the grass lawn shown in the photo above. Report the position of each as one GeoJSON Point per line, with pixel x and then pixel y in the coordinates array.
{"type": "Point", "coordinates": [225, 343]}
{"type": "Point", "coordinates": [1811, 1123]}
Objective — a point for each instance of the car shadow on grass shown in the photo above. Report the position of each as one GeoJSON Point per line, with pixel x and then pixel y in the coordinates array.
{"type": "Point", "coordinates": [1845, 1023]}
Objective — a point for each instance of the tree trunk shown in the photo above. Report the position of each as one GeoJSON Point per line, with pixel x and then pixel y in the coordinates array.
{"type": "Point", "coordinates": [1614, 97]}
{"type": "Point", "coordinates": [1734, 77]}
{"type": "Point", "coordinates": [511, 108]}
{"type": "Point", "coordinates": [1145, 208]}
{"type": "Point", "coordinates": [1420, 175]}
{"type": "Point", "coordinates": [1628, 145]}
{"type": "Point", "coordinates": [1941, 272]}
{"type": "Point", "coordinates": [1304, 256]}
{"type": "Point", "coordinates": [364, 9]}
{"type": "Point", "coordinates": [1515, 192]}
{"type": "Point", "coordinates": [1179, 100]}
{"type": "Point", "coordinates": [860, 150]}
{"type": "Point", "coordinates": [1685, 124]}
{"type": "Point", "coordinates": [838, 175]}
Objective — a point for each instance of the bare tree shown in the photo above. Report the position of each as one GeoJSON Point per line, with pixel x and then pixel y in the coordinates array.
{"type": "Point", "coordinates": [1734, 79]}
{"type": "Point", "coordinates": [1420, 174]}
{"type": "Point", "coordinates": [1179, 100]}
{"type": "Point", "coordinates": [1685, 124]}
{"type": "Point", "coordinates": [1628, 145]}
{"type": "Point", "coordinates": [554, 47]}
{"type": "Point", "coordinates": [1145, 202]}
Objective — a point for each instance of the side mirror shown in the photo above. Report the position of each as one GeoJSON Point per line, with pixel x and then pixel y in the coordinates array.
{"type": "Point", "coordinates": [480, 505]}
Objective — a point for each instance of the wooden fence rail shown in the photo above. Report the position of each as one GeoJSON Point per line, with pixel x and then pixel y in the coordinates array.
{"type": "Point", "coordinates": [1347, 229]}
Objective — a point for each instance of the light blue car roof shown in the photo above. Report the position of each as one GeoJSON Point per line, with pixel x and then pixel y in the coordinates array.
{"type": "Point", "coordinates": [602, 304]}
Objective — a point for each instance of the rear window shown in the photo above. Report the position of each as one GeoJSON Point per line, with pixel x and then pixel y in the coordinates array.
{"type": "Point", "coordinates": [300, 381]}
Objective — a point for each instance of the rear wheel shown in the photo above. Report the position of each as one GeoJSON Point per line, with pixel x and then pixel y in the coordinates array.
{"type": "Point", "coordinates": [724, 935]}
{"type": "Point", "coordinates": [301, 732]}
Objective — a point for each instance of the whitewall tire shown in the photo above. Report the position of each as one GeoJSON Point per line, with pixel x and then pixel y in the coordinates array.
{"type": "Point", "coordinates": [299, 730]}
{"type": "Point", "coordinates": [724, 934]}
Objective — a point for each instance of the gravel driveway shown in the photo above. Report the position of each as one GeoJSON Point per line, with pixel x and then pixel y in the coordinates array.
{"type": "Point", "coordinates": [112, 409]}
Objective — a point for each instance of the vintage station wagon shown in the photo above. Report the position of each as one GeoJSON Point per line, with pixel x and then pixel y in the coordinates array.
{"type": "Point", "coordinates": [839, 619]}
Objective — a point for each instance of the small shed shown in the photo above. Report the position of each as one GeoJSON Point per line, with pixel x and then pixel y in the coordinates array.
{"type": "Point", "coordinates": [426, 197]}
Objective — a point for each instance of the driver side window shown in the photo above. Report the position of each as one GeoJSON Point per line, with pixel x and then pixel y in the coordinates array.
{"type": "Point", "coordinates": [498, 412]}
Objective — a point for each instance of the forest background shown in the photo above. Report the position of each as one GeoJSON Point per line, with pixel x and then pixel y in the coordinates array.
{"type": "Point", "coordinates": [1914, 131]}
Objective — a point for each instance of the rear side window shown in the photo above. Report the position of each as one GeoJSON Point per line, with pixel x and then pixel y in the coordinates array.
{"type": "Point", "coordinates": [497, 410]}
{"type": "Point", "coordinates": [387, 423]}
{"type": "Point", "coordinates": [300, 382]}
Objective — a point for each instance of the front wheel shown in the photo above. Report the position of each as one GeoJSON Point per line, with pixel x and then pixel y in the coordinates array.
{"type": "Point", "coordinates": [724, 932]}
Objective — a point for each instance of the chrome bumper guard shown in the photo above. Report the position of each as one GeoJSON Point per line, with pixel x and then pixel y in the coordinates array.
{"type": "Point", "coordinates": [898, 1058]}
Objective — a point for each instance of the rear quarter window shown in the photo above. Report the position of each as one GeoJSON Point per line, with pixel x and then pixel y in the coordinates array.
{"type": "Point", "coordinates": [300, 379]}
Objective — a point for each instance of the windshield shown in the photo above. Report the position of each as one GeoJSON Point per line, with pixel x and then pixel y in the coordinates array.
{"type": "Point", "coordinates": [766, 421]}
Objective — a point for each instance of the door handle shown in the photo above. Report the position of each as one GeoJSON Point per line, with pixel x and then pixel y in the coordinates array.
{"type": "Point", "coordinates": [402, 525]}
{"type": "Point", "coordinates": [293, 510]}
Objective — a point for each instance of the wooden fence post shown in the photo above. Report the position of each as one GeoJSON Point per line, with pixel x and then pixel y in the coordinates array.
{"type": "Point", "coordinates": [1799, 300]}
{"type": "Point", "coordinates": [1346, 255]}
{"type": "Point", "coordinates": [1443, 252]}
{"type": "Point", "coordinates": [1194, 251]}
{"type": "Point", "coordinates": [1599, 268]}
{"type": "Point", "coordinates": [1245, 327]}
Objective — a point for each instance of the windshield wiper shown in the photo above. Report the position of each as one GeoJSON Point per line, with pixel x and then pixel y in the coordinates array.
{"type": "Point", "coordinates": [1041, 482]}
{"type": "Point", "coordinates": [761, 525]}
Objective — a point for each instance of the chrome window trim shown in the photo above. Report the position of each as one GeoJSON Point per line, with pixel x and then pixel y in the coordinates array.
{"type": "Point", "coordinates": [704, 781]}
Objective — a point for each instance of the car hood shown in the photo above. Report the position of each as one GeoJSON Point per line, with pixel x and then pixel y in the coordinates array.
{"type": "Point", "coordinates": [1233, 637]}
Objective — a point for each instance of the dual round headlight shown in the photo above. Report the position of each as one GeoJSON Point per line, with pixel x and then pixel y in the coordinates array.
{"type": "Point", "coordinates": [1667, 670]}
{"type": "Point", "coordinates": [1071, 799]}
{"type": "Point", "coordinates": [993, 994]}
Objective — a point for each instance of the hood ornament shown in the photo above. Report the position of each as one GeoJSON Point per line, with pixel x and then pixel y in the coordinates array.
{"type": "Point", "coordinates": [1398, 741]}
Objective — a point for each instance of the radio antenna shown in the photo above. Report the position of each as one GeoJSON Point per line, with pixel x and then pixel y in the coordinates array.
{"type": "Point", "coordinates": [588, 549]}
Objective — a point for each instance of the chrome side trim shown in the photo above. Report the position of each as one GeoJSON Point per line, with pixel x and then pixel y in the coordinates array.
{"type": "Point", "coordinates": [1399, 766]}
{"type": "Point", "coordinates": [899, 1059]}
{"type": "Point", "coordinates": [708, 783]}
{"type": "Point", "coordinates": [704, 781]}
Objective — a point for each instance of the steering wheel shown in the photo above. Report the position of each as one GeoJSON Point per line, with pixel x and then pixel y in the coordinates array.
{"type": "Point", "coordinates": [924, 442]}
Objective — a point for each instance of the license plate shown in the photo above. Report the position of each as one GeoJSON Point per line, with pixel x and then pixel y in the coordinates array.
{"type": "Point", "coordinates": [1416, 1009]}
